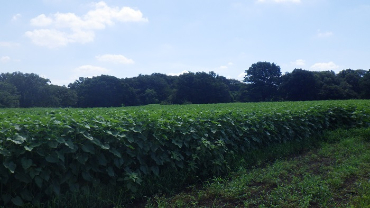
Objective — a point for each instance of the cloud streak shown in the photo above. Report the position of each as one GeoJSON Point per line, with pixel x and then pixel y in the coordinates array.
{"type": "Point", "coordinates": [9, 44]}
{"type": "Point", "coordinates": [118, 59]}
{"type": "Point", "coordinates": [299, 62]}
{"type": "Point", "coordinates": [60, 29]}
{"type": "Point", "coordinates": [279, 1]}
{"type": "Point", "coordinates": [16, 17]}
{"type": "Point", "coordinates": [4, 59]}
{"type": "Point", "coordinates": [324, 66]}
{"type": "Point", "coordinates": [324, 34]}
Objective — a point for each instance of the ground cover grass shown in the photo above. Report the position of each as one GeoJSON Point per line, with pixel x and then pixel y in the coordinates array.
{"type": "Point", "coordinates": [335, 174]}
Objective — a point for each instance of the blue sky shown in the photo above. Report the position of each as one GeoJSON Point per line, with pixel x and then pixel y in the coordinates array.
{"type": "Point", "coordinates": [66, 39]}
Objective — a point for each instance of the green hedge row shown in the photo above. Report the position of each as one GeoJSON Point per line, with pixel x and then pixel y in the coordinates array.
{"type": "Point", "coordinates": [48, 152]}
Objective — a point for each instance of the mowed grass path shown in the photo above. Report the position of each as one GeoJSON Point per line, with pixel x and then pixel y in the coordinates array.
{"type": "Point", "coordinates": [336, 174]}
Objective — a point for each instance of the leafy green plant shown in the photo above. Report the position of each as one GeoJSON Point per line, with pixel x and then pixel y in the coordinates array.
{"type": "Point", "coordinates": [48, 152]}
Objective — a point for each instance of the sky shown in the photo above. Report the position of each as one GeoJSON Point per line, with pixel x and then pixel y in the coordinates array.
{"type": "Point", "coordinates": [63, 40]}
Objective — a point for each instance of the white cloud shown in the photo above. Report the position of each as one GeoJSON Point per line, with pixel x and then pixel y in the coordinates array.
{"type": "Point", "coordinates": [226, 66]}
{"type": "Point", "coordinates": [90, 70]}
{"type": "Point", "coordinates": [16, 17]}
{"type": "Point", "coordinates": [324, 66]}
{"type": "Point", "coordinates": [324, 34]}
{"type": "Point", "coordinates": [120, 59]}
{"type": "Point", "coordinates": [279, 1]}
{"type": "Point", "coordinates": [71, 28]}
{"type": "Point", "coordinates": [9, 44]}
{"type": "Point", "coordinates": [41, 21]}
{"type": "Point", "coordinates": [50, 38]}
{"type": "Point", "coordinates": [241, 76]}
{"type": "Point", "coordinates": [178, 74]}
{"type": "Point", "coordinates": [81, 71]}
{"type": "Point", "coordinates": [4, 59]}
{"type": "Point", "coordinates": [299, 62]}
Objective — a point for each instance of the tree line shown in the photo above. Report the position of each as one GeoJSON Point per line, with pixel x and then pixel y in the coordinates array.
{"type": "Point", "coordinates": [263, 82]}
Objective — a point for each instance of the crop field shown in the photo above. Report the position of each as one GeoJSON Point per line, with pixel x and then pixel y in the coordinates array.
{"type": "Point", "coordinates": [136, 152]}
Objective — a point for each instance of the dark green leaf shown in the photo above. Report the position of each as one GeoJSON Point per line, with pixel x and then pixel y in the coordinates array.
{"type": "Point", "coordinates": [26, 195]}
{"type": "Point", "coordinates": [110, 172]}
{"type": "Point", "coordinates": [82, 158]}
{"type": "Point", "coordinates": [17, 201]}
{"type": "Point", "coordinates": [38, 181]}
{"type": "Point", "coordinates": [10, 165]}
{"type": "Point", "coordinates": [17, 139]}
{"type": "Point", "coordinates": [115, 152]}
{"type": "Point", "coordinates": [26, 163]}
{"type": "Point", "coordinates": [88, 148]}
{"type": "Point", "coordinates": [52, 158]}
{"type": "Point", "coordinates": [155, 170]}
{"type": "Point", "coordinates": [53, 144]}
{"type": "Point", "coordinates": [102, 160]}
{"type": "Point", "coordinates": [22, 177]}
{"type": "Point", "coordinates": [86, 176]}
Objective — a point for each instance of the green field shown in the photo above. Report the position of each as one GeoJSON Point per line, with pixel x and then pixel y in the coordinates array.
{"type": "Point", "coordinates": [334, 173]}
{"type": "Point", "coordinates": [124, 155]}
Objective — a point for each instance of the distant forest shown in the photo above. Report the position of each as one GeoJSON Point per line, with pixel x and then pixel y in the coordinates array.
{"type": "Point", "coordinates": [263, 82]}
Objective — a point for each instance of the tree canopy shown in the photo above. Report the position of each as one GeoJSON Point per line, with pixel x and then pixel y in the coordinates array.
{"type": "Point", "coordinates": [263, 82]}
{"type": "Point", "coordinates": [264, 79]}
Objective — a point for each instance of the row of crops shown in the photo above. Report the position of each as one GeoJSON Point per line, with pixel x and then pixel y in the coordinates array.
{"type": "Point", "coordinates": [48, 152]}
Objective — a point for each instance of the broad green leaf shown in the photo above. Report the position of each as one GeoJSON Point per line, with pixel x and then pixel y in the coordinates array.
{"type": "Point", "coordinates": [118, 162]}
{"type": "Point", "coordinates": [53, 144]}
{"type": "Point", "coordinates": [87, 136]}
{"type": "Point", "coordinates": [26, 163]}
{"type": "Point", "coordinates": [17, 201]}
{"type": "Point", "coordinates": [155, 170]}
{"type": "Point", "coordinates": [52, 158]}
{"type": "Point", "coordinates": [45, 175]}
{"type": "Point", "coordinates": [86, 176]}
{"type": "Point", "coordinates": [110, 172]}
{"type": "Point", "coordinates": [4, 152]}
{"type": "Point", "coordinates": [82, 158]}
{"type": "Point", "coordinates": [10, 165]}
{"type": "Point", "coordinates": [28, 148]}
{"type": "Point", "coordinates": [17, 139]}
{"type": "Point", "coordinates": [22, 177]}
{"type": "Point", "coordinates": [38, 181]}
{"type": "Point", "coordinates": [56, 188]}
{"type": "Point", "coordinates": [26, 195]}
{"type": "Point", "coordinates": [69, 143]}
{"type": "Point", "coordinates": [34, 172]}
{"type": "Point", "coordinates": [144, 169]}
{"type": "Point", "coordinates": [105, 146]}
{"type": "Point", "coordinates": [115, 152]}
{"type": "Point", "coordinates": [102, 160]}
{"type": "Point", "coordinates": [88, 148]}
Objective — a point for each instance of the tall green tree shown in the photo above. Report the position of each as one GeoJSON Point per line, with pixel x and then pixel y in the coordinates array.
{"type": "Point", "coordinates": [263, 79]}
{"type": "Point", "coordinates": [352, 78]}
{"type": "Point", "coordinates": [31, 88]}
{"type": "Point", "coordinates": [61, 96]}
{"type": "Point", "coordinates": [365, 86]}
{"type": "Point", "coordinates": [331, 87]}
{"type": "Point", "coordinates": [9, 97]}
{"type": "Point", "coordinates": [299, 85]}
{"type": "Point", "coordinates": [154, 88]}
{"type": "Point", "coordinates": [201, 88]}
{"type": "Point", "coordinates": [102, 91]}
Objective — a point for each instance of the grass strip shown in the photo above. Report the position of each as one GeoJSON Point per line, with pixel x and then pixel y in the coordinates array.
{"type": "Point", "coordinates": [336, 174]}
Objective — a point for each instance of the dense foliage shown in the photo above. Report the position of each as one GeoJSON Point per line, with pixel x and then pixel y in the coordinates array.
{"type": "Point", "coordinates": [263, 82]}
{"type": "Point", "coordinates": [144, 150]}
